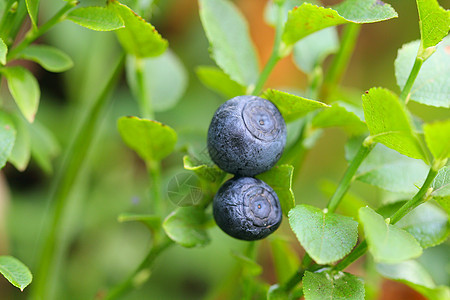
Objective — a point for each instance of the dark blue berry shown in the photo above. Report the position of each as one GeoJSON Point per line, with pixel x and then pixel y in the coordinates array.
{"type": "Point", "coordinates": [247, 208]}
{"type": "Point", "coordinates": [246, 136]}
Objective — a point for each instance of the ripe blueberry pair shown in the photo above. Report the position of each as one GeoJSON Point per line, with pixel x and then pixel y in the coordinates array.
{"type": "Point", "coordinates": [246, 137]}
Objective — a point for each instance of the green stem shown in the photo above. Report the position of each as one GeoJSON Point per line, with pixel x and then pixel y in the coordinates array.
{"type": "Point", "coordinates": [15, 13]}
{"type": "Point", "coordinates": [7, 20]}
{"type": "Point", "coordinates": [154, 171]}
{"type": "Point", "coordinates": [356, 253]}
{"type": "Point", "coordinates": [344, 185]}
{"type": "Point", "coordinates": [418, 198]}
{"type": "Point", "coordinates": [315, 80]}
{"type": "Point", "coordinates": [296, 278]}
{"type": "Point", "coordinates": [251, 252]}
{"type": "Point", "coordinates": [140, 274]}
{"type": "Point", "coordinates": [16, 24]}
{"type": "Point", "coordinates": [67, 176]}
{"type": "Point", "coordinates": [341, 60]}
{"type": "Point", "coordinates": [404, 96]}
{"type": "Point", "coordinates": [143, 99]}
{"type": "Point", "coordinates": [33, 34]}
{"type": "Point", "coordinates": [274, 56]}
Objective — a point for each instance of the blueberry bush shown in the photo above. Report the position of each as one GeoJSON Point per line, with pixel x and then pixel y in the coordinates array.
{"type": "Point", "coordinates": [112, 188]}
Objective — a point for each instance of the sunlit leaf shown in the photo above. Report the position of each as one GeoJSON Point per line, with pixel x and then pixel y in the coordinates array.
{"type": "Point", "coordinates": [150, 139]}
{"type": "Point", "coordinates": [387, 243]}
{"type": "Point", "coordinates": [326, 236]}
{"type": "Point", "coordinates": [434, 22]}
{"type": "Point", "coordinates": [218, 81]}
{"type": "Point", "coordinates": [339, 116]}
{"type": "Point", "coordinates": [138, 37]}
{"type": "Point", "coordinates": [230, 42]}
{"type": "Point", "coordinates": [389, 123]}
{"type": "Point", "coordinates": [308, 18]}
{"type": "Point", "coordinates": [25, 90]}
{"type": "Point", "coordinates": [291, 106]}
{"type": "Point", "coordinates": [15, 272]}
{"type": "Point", "coordinates": [50, 58]}
{"type": "Point", "coordinates": [96, 18]}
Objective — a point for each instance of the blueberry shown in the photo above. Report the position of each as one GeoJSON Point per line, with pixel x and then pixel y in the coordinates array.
{"type": "Point", "coordinates": [247, 208]}
{"type": "Point", "coordinates": [246, 136]}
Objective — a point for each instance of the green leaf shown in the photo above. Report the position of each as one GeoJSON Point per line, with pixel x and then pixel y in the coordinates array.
{"type": "Point", "coordinates": [327, 237]}
{"type": "Point", "coordinates": [387, 243]}
{"type": "Point", "coordinates": [96, 18]}
{"type": "Point", "coordinates": [285, 258]}
{"type": "Point", "coordinates": [21, 152]}
{"type": "Point", "coordinates": [311, 51]}
{"type": "Point", "coordinates": [338, 115]}
{"type": "Point", "coordinates": [437, 136]}
{"type": "Point", "coordinates": [3, 52]}
{"type": "Point", "coordinates": [434, 22]}
{"type": "Point", "coordinates": [138, 37]}
{"type": "Point", "coordinates": [291, 106]}
{"type": "Point", "coordinates": [414, 275]}
{"type": "Point", "coordinates": [150, 139]}
{"type": "Point", "coordinates": [25, 90]}
{"type": "Point", "coordinates": [164, 79]}
{"type": "Point", "coordinates": [388, 169]}
{"type": "Point", "coordinates": [270, 12]}
{"type": "Point", "coordinates": [428, 224]}
{"type": "Point", "coordinates": [389, 123]}
{"type": "Point", "coordinates": [152, 222]}
{"type": "Point", "coordinates": [307, 18]}
{"type": "Point", "coordinates": [211, 173]}
{"type": "Point", "coordinates": [329, 285]}
{"type": "Point", "coordinates": [33, 9]}
{"type": "Point", "coordinates": [7, 137]}
{"type": "Point", "coordinates": [215, 79]}
{"type": "Point", "coordinates": [441, 188]}
{"type": "Point", "coordinates": [50, 58]}
{"type": "Point", "coordinates": [230, 43]}
{"type": "Point", "coordinates": [15, 272]}
{"type": "Point", "coordinates": [280, 179]}
{"type": "Point", "coordinates": [44, 146]}
{"type": "Point", "coordinates": [186, 226]}
{"type": "Point", "coordinates": [431, 86]}
{"type": "Point", "coordinates": [249, 266]}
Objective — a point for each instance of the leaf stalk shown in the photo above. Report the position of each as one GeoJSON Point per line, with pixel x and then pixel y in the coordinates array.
{"type": "Point", "coordinates": [67, 176]}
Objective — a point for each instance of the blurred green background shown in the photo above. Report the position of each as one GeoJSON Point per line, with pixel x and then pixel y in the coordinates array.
{"type": "Point", "coordinates": [100, 250]}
